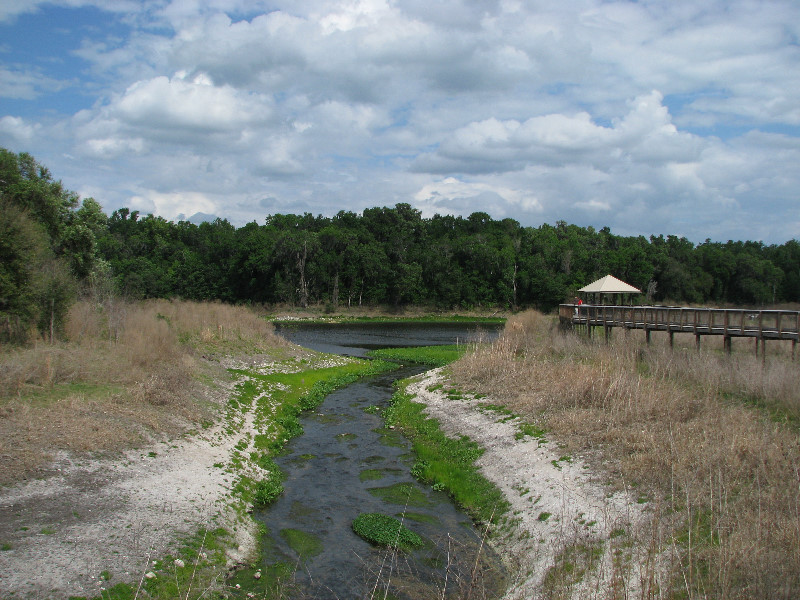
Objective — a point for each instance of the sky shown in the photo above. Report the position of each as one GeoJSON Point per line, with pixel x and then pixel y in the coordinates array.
{"type": "Point", "coordinates": [653, 117]}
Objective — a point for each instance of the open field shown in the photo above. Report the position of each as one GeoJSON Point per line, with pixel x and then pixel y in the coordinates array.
{"type": "Point", "coordinates": [198, 412]}
{"type": "Point", "coordinates": [705, 446]}
{"type": "Point", "coordinates": [129, 373]}
{"type": "Point", "coordinates": [706, 442]}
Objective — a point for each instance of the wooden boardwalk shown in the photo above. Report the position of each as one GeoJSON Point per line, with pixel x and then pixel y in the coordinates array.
{"type": "Point", "coordinates": [761, 325]}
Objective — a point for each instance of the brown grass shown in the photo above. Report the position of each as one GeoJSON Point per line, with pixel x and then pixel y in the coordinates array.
{"type": "Point", "coordinates": [129, 373]}
{"type": "Point", "coordinates": [692, 433]}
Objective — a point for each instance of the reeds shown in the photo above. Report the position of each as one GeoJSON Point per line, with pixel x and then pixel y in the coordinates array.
{"type": "Point", "coordinates": [708, 441]}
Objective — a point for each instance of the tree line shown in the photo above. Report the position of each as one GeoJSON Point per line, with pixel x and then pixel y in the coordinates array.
{"type": "Point", "coordinates": [53, 246]}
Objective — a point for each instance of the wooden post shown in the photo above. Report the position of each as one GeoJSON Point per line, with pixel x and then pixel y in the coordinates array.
{"type": "Point", "coordinates": [671, 338]}
{"type": "Point", "coordinates": [763, 350]}
{"type": "Point", "coordinates": [647, 336]}
{"type": "Point", "coordinates": [726, 343]}
{"type": "Point", "coordinates": [697, 341]}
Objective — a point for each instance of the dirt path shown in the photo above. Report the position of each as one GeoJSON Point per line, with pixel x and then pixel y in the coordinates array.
{"type": "Point", "coordinates": [553, 499]}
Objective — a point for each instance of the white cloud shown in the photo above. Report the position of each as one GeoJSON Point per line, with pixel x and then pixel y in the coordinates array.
{"type": "Point", "coordinates": [170, 205]}
{"type": "Point", "coordinates": [107, 148]}
{"type": "Point", "coordinates": [451, 195]}
{"type": "Point", "coordinates": [17, 131]}
{"type": "Point", "coordinates": [197, 105]}
{"type": "Point", "coordinates": [535, 110]}
{"type": "Point", "coordinates": [26, 85]}
{"type": "Point", "coordinates": [644, 135]}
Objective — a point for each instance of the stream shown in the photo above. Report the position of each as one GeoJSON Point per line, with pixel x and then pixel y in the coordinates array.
{"type": "Point", "coordinates": [347, 463]}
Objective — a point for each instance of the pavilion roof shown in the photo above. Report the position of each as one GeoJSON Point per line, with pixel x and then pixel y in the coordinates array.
{"type": "Point", "coordinates": [610, 285]}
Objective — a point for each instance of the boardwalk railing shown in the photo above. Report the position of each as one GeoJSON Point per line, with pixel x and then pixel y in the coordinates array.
{"type": "Point", "coordinates": [761, 325]}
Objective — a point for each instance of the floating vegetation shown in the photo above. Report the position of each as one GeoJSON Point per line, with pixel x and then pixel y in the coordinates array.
{"type": "Point", "coordinates": [384, 530]}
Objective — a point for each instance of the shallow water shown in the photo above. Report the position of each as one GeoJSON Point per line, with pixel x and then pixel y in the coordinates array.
{"type": "Point", "coordinates": [347, 463]}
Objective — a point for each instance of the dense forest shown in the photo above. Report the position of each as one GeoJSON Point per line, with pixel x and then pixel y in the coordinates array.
{"type": "Point", "coordinates": [54, 246]}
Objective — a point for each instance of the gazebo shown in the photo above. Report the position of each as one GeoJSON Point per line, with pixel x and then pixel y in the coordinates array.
{"type": "Point", "coordinates": [608, 285]}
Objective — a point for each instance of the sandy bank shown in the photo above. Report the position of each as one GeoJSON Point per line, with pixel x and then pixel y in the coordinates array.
{"type": "Point", "coordinates": [554, 499]}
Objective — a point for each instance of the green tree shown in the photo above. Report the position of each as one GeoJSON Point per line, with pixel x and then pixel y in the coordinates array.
{"type": "Point", "coordinates": [23, 250]}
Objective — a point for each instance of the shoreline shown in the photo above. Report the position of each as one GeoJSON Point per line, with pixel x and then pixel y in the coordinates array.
{"type": "Point", "coordinates": [554, 501]}
{"type": "Point", "coordinates": [144, 502]}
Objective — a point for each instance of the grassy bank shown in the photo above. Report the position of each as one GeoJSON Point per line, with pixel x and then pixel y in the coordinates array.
{"type": "Point", "coordinates": [277, 398]}
{"type": "Point", "coordinates": [273, 397]}
{"type": "Point", "coordinates": [127, 372]}
{"type": "Point", "coordinates": [707, 442]}
{"type": "Point", "coordinates": [445, 463]}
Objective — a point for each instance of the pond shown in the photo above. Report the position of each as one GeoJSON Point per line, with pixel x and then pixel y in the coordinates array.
{"type": "Point", "coordinates": [347, 463]}
{"type": "Point", "coordinates": [356, 339]}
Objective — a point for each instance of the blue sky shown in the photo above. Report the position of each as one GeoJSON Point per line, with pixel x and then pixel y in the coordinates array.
{"type": "Point", "coordinates": [651, 117]}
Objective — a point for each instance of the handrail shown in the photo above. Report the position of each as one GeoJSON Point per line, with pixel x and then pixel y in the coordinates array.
{"type": "Point", "coordinates": [737, 322]}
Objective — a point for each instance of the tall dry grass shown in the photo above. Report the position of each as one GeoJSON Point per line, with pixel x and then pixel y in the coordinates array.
{"type": "Point", "coordinates": [686, 431]}
{"type": "Point", "coordinates": [126, 371]}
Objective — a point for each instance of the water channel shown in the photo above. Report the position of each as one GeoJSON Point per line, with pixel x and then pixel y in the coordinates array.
{"type": "Point", "coordinates": [346, 463]}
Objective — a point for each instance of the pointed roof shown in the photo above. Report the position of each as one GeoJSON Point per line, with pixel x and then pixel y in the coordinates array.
{"type": "Point", "coordinates": [610, 285]}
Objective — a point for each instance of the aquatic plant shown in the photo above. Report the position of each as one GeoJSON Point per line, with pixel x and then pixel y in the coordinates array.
{"type": "Point", "coordinates": [384, 530]}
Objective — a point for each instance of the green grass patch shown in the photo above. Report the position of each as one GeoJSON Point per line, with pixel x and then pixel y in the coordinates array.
{"type": "Point", "coordinates": [304, 544]}
{"type": "Point", "coordinates": [529, 430]}
{"type": "Point", "coordinates": [383, 530]}
{"type": "Point", "coordinates": [203, 555]}
{"type": "Point", "coordinates": [436, 356]}
{"type": "Point", "coordinates": [301, 391]}
{"type": "Point", "coordinates": [446, 463]}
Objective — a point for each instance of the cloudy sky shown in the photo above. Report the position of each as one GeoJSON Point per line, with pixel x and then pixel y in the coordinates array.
{"type": "Point", "coordinates": [650, 117]}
